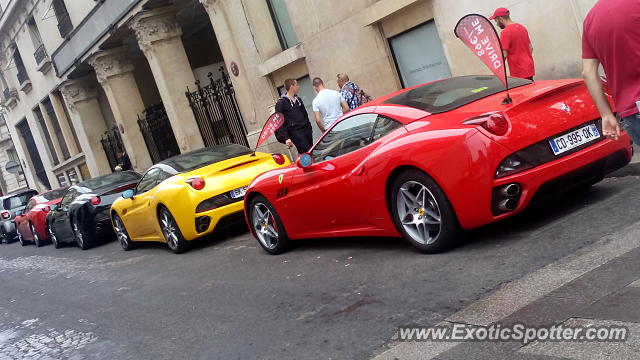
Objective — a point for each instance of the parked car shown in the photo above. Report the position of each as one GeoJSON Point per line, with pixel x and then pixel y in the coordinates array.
{"type": "Point", "coordinates": [9, 206]}
{"type": "Point", "coordinates": [82, 217]}
{"type": "Point", "coordinates": [185, 197]}
{"type": "Point", "coordinates": [31, 225]}
{"type": "Point", "coordinates": [431, 161]}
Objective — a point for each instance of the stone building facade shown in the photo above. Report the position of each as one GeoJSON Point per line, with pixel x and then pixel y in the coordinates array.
{"type": "Point", "coordinates": [84, 81]}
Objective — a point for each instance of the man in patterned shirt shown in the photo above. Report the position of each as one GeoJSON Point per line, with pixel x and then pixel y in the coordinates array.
{"type": "Point", "coordinates": [351, 93]}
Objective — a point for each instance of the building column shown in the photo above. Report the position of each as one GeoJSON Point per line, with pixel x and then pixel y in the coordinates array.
{"type": "Point", "coordinates": [52, 133]}
{"type": "Point", "coordinates": [255, 93]}
{"type": "Point", "coordinates": [114, 71]}
{"type": "Point", "coordinates": [63, 120]}
{"type": "Point", "coordinates": [81, 97]}
{"type": "Point", "coordinates": [159, 37]}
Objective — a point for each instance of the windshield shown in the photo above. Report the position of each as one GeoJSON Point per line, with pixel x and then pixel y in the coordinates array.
{"type": "Point", "coordinates": [199, 158]}
{"type": "Point", "coordinates": [111, 179]}
{"type": "Point", "coordinates": [51, 195]}
{"type": "Point", "coordinates": [450, 94]}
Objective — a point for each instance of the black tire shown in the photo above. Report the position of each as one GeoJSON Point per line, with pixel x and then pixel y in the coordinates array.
{"type": "Point", "coordinates": [122, 234]}
{"type": "Point", "coordinates": [21, 239]}
{"type": "Point", "coordinates": [3, 236]}
{"type": "Point", "coordinates": [171, 231]}
{"type": "Point", "coordinates": [36, 239]}
{"type": "Point", "coordinates": [264, 226]}
{"type": "Point", "coordinates": [83, 239]}
{"type": "Point", "coordinates": [437, 219]}
{"type": "Point", "coordinates": [53, 237]}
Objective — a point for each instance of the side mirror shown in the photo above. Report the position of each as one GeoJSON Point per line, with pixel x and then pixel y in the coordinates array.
{"type": "Point", "coordinates": [53, 207]}
{"type": "Point", "coordinates": [304, 160]}
{"type": "Point", "coordinates": [128, 194]}
{"type": "Point", "coordinates": [19, 212]}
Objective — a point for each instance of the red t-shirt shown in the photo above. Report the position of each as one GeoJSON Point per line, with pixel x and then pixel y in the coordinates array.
{"type": "Point", "coordinates": [612, 35]}
{"type": "Point", "coordinates": [515, 40]}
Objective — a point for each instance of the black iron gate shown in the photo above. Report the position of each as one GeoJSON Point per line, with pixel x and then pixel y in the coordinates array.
{"type": "Point", "coordinates": [112, 145]}
{"type": "Point", "coordinates": [157, 133]}
{"type": "Point", "coordinates": [217, 112]}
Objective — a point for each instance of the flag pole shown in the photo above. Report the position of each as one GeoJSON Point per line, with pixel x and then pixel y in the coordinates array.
{"type": "Point", "coordinates": [508, 100]}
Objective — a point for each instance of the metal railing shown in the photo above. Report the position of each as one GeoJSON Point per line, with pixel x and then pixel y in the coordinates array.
{"type": "Point", "coordinates": [40, 54]}
{"type": "Point", "coordinates": [157, 133]}
{"type": "Point", "coordinates": [64, 25]}
{"type": "Point", "coordinates": [6, 93]}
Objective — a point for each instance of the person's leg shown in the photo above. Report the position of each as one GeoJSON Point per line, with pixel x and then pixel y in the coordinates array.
{"type": "Point", "coordinates": [302, 139]}
{"type": "Point", "coordinates": [631, 125]}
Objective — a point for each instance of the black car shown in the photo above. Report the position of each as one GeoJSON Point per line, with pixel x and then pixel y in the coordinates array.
{"type": "Point", "coordinates": [9, 206]}
{"type": "Point", "coordinates": [83, 214]}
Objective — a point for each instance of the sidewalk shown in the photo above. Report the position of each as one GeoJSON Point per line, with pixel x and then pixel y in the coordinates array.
{"type": "Point", "coordinates": [597, 286]}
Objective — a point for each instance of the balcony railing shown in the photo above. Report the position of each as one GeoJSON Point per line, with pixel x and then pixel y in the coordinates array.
{"type": "Point", "coordinates": [40, 54]}
{"type": "Point", "coordinates": [6, 94]}
{"type": "Point", "coordinates": [64, 25]}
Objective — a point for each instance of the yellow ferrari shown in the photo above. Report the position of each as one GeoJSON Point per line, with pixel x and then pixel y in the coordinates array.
{"type": "Point", "coordinates": [186, 196]}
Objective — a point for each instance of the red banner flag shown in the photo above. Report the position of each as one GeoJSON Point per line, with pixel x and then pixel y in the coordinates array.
{"type": "Point", "coordinates": [477, 32]}
{"type": "Point", "coordinates": [273, 123]}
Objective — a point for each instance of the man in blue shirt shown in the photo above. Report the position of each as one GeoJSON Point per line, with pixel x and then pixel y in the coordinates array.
{"type": "Point", "coordinates": [351, 93]}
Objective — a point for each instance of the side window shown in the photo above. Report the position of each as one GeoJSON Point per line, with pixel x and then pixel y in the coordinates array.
{"type": "Point", "coordinates": [164, 175]}
{"type": "Point", "coordinates": [384, 126]}
{"type": "Point", "coordinates": [148, 181]}
{"type": "Point", "coordinates": [347, 136]}
{"type": "Point", "coordinates": [68, 198]}
{"type": "Point", "coordinates": [30, 205]}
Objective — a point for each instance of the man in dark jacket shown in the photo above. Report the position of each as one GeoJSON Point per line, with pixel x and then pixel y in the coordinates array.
{"type": "Point", "coordinates": [297, 127]}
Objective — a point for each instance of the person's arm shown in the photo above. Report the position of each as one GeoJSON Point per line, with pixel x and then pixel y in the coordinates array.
{"type": "Point", "coordinates": [345, 106]}
{"type": "Point", "coordinates": [610, 127]}
{"type": "Point", "coordinates": [282, 135]}
{"type": "Point", "coordinates": [319, 120]}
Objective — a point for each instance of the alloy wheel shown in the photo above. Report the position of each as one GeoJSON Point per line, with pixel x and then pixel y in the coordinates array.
{"type": "Point", "coordinates": [36, 238]}
{"type": "Point", "coordinates": [52, 235]}
{"type": "Point", "coordinates": [419, 212]}
{"type": "Point", "coordinates": [20, 238]}
{"type": "Point", "coordinates": [169, 229]}
{"type": "Point", "coordinates": [79, 235]}
{"type": "Point", "coordinates": [264, 224]}
{"type": "Point", "coordinates": [118, 226]}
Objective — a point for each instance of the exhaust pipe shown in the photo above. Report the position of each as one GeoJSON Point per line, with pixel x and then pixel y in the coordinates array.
{"type": "Point", "coordinates": [508, 205]}
{"type": "Point", "coordinates": [202, 227]}
{"type": "Point", "coordinates": [511, 190]}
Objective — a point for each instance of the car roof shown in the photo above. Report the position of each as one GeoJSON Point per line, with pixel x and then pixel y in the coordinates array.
{"type": "Point", "coordinates": [18, 193]}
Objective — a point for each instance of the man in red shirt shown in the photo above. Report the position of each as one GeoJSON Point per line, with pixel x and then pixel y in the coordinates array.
{"type": "Point", "coordinates": [516, 45]}
{"type": "Point", "coordinates": [611, 37]}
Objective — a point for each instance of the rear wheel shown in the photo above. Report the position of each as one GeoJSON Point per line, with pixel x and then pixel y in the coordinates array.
{"type": "Point", "coordinates": [171, 231]}
{"type": "Point", "coordinates": [121, 233]}
{"type": "Point", "coordinates": [36, 238]}
{"type": "Point", "coordinates": [267, 227]}
{"type": "Point", "coordinates": [82, 238]}
{"type": "Point", "coordinates": [422, 213]}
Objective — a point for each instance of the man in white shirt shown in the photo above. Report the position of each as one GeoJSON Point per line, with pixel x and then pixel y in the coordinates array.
{"type": "Point", "coordinates": [328, 105]}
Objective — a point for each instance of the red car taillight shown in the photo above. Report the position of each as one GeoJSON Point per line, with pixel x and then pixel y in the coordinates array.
{"type": "Point", "coordinates": [196, 182]}
{"type": "Point", "coordinates": [5, 214]}
{"type": "Point", "coordinates": [278, 158]}
{"type": "Point", "coordinates": [495, 123]}
{"type": "Point", "coordinates": [95, 200]}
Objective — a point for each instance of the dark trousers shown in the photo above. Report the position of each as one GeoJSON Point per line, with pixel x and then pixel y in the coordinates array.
{"type": "Point", "coordinates": [302, 139]}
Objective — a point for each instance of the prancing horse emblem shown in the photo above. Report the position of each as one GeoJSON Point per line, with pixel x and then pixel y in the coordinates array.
{"type": "Point", "coordinates": [280, 178]}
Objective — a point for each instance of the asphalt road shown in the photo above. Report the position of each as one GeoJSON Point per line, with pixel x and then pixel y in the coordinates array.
{"type": "Point", "coordinates": [326, 299]}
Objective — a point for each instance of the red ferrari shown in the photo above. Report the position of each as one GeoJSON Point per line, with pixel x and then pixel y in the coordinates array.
{"type": "Point", "coordinates": [31, 225]}
{"type": "Point", "coordinates": [429, 162]}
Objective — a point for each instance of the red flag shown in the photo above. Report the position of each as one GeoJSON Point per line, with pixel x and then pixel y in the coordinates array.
{"type": "Point", "coordinates": [477, 32]}
{"type": "Point", "coordinates": [273, 123]}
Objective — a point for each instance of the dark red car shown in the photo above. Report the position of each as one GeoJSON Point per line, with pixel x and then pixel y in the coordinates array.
{"type": "Point", "coordinates": [429, 162]}
{"type": "Point", "coordinates": [31, 225]}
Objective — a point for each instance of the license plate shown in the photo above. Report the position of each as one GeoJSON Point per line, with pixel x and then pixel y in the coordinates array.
{"type": "Point", "coordinates": [574, 139]}
{"type": "Point", "coordinates": [239, 192]}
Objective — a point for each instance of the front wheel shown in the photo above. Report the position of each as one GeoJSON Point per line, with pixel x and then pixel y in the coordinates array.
{"type": "Point", "coordinates": [422, 213]}
{"type": "Point", "coordinates": [53, 237]}
{"type": "Point", "coordinates": [267, 227]}
{"type": "Point", "coordinates": [121, 233]}
{"type": "Point", "coordinates": [171, 231]}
